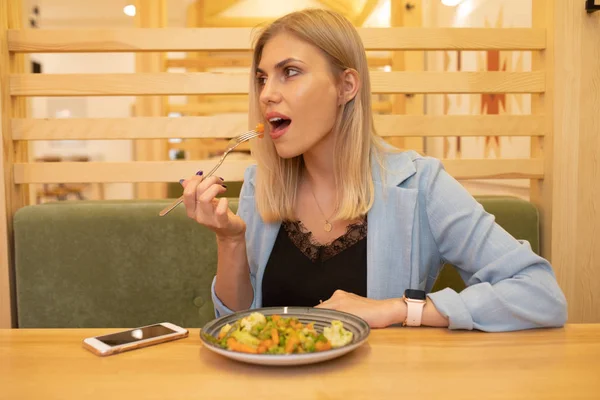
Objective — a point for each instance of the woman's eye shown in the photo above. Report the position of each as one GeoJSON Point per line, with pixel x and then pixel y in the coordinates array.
{"type": "Point", "coordinates": [262, 80]}
{"type": "Point", "coordinates": [289, 72]}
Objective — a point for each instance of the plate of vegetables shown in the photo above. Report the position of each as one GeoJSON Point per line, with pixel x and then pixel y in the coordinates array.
{"type": "Point", "coordinates": [285, 335]}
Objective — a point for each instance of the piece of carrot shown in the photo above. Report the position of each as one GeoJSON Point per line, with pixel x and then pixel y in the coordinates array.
{"type": "Point", "coordinates": [322, 346]}
{"type": "Point", "coordinates": [234, 345]}
{"type": "Point", "coordinates": [275, 336]}
{"type": "Point", "coordinates": [291, 343]}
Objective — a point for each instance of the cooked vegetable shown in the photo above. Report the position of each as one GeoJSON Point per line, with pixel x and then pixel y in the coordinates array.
{"type": "Point", "coordinates": [257, 334]}
{"type": "Point", "coordinates": [337, 335]}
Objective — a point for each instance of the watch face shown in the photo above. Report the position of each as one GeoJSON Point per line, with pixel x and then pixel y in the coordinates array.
{"type": "Point", "coordinates": [415, 294]}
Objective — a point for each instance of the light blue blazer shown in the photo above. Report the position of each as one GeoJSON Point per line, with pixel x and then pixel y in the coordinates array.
{"type": "Point", "coordinates": [420, 219]}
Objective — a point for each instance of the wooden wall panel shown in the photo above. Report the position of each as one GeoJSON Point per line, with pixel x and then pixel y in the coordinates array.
{"type": "Point", "coordinates": [576, 158]}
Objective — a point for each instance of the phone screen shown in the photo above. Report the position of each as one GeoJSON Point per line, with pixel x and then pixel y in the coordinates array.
{"type": "Point", "coordinates": [134, 335]}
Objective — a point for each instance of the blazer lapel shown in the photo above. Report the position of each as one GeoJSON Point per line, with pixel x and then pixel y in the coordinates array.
{"type": "Point", "coordinates": [390, 231]}
{"type": "Point", "coordinates": [264, 245]}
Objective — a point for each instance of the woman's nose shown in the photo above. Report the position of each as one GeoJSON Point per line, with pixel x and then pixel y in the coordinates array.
{"type": "Point", "coordinates": [270, 93]}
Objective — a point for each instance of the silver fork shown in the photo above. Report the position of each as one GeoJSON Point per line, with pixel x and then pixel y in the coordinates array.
{"type": "Point", "coordinates": [232, 144]}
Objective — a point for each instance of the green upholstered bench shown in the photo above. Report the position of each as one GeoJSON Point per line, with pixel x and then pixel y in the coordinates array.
{"type": "Point", "coordinates": [117, 264]}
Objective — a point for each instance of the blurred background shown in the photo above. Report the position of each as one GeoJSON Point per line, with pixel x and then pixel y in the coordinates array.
{"type": "Point", "coordinates": [74, 14]}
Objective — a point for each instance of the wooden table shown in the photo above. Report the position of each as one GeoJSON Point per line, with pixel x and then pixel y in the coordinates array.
{"type": "Point", "coordinates": [395, 363]}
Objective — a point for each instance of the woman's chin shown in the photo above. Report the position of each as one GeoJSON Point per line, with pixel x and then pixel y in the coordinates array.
{"type": "Point", "coordinates": [286, 151]}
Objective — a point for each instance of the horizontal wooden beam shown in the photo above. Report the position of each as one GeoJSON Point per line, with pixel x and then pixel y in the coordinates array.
{"type": "Point", "coordinates": [241, 61]}
{"type": "Point", "coordinates": [495, 169]}
{"type": "Point", "coordinates": [222, 126]}
{"type": "Point", "coordinates": [233, 170]}
{"type": "Point", "coordinates": [124, 172]}
{"type": "Point", "coordinates": [201, 109]}
{"type": "Point", "coordinates": [227, 126]}
{"type": "Point", "coordinates": [227, 39]}
{"type": "Point", "coordinates": [237, 106]}
{"type": "Point", "coordinates": [459, 125]}
{"type": "Point", "coordinates": [141, 84]}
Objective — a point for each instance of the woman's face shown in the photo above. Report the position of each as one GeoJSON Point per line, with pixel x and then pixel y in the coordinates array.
{"type": "Point", "coordinates": [298, 94]}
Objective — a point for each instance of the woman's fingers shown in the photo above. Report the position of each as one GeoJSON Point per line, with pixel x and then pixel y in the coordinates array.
{"type": "Point", "coordinates": [208, 182]}
{"type": "Point", "coordinates": [330, 304]}
{"type": "Point", "coordinates": [205, 207]}
{"type": "Point", "coordinates": [189, 194]}
{"type": "Point", "coordinates": [199, 197]}
{"type": "Point", "coordinates": [221, 212]}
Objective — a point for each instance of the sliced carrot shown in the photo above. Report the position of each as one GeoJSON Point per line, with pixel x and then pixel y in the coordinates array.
{"type": "Point", "coordinates": [261, 349]}
{"type": "Point", "coordinates": [322, 346]}
{"type": "Point", "coordinates": [297, 325]}
{"type": "Point", "coordinates": [275, 336]}
{"type": "Point", "coordinates": [234, 345]}
{"type": "Point", "coordinates": [291, 344]}
{"type": "Point", "coordinates": [275, 317]}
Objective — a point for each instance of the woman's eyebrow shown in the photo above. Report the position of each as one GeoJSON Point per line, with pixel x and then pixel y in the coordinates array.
{"type": "Point", "coordinates": [281, 64]}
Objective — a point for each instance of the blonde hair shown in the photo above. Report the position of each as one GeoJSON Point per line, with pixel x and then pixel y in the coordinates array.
{"type": "Point", "coordinates": [355, 136]}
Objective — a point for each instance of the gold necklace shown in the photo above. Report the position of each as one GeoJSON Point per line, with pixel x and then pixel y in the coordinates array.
{"type": "Point", "coordinates": [328, 226]}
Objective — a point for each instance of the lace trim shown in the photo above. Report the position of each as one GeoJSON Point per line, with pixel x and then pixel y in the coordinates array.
{"type": "Point", "coordinates": [303, 239]}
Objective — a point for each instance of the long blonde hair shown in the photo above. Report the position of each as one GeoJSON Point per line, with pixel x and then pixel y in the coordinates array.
{"type": "Point", "coordinates": [355, 136]}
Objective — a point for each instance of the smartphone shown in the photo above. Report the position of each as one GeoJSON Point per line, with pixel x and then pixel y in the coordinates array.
{"type": "Point", "coordinates": [144, 336]}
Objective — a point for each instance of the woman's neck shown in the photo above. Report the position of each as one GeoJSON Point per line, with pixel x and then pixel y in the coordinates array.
{"type": "Point", "coordinates": [319, 164]}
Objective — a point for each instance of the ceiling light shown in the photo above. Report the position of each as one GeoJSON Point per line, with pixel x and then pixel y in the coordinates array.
{"type": "Point", "coordinates": [129, 10]}
{"type": "Point", "coordinates": [451, 3]}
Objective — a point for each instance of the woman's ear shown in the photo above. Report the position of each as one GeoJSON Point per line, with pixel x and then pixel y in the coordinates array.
{"type": "Point", "coordinates": [350, 83]}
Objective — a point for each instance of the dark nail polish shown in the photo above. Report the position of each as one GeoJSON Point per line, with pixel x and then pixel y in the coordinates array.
{"type": "Point", "coordinates": [225, 186]}
{"type": "Point", "coordinates": [221, 179]}
{"type": "Point", "coordinates": [199, 173]}
{"type": "Point", "coordinates": [181, 181]}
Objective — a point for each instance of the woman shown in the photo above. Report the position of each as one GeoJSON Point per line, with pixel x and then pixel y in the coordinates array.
{"type": "Point", "coordinates": [331, 217]}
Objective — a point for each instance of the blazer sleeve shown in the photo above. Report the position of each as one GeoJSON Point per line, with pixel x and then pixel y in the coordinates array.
{"type": "Point", "coordinates": [509, 287]}
{"type": "Point", "coordinates": [246, 191]}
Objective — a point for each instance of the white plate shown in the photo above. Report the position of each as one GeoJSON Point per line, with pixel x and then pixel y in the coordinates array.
{"type": "Point", "coordinates": [321, 317]}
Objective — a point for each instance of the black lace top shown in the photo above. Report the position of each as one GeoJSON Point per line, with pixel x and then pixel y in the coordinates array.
{"type": "Point", "coordinates": [301, 272]}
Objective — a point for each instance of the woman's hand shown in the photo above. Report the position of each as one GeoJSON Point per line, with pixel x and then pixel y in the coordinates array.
{"type": "Point", "coordinates": [201, 204]}
{"type": "Point", "coordinates": [377, 313]}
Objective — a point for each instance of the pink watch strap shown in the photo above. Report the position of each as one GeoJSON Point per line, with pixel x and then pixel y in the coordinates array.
{"type": "Point", "coordinates": [414, 312]}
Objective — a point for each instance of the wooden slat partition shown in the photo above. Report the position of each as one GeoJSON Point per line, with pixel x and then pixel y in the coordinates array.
{"type": "Point", "coordinates": [231, 125]}
{"type": "Point", "coordinates": [233, 170]}
{"type": "Point", "coordinates": [231, 83]}
{"type": "Point", "coordinates": [231, 39]}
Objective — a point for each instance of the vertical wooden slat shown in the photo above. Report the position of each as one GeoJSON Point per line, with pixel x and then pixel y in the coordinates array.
{"type": "Point", "coordinates": [587, 308]}
{"type": "Point", "coordinates": [542, 104]}
{"type": "Point", "coordinates": [398, 100]}
{"type": "Point", "coordinates": [5, 174]}
{"type": "Point", "coordinates": [414, 61]}
{"type": "Point", "coordinates": [150, 14]}
{"type": "Point", "coordinates": [12, 196]}
{"type": "Point", "coordinates": [196, 19]}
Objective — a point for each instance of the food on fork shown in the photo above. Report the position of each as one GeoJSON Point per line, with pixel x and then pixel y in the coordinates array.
{"type": "Point", "coordinates": [260, 128]}
{"type": "Point", "coordinates": [260, 334]}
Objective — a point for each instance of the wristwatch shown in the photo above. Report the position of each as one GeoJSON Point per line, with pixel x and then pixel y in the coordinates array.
{"type": "Point", "coordinates": [415, 301]}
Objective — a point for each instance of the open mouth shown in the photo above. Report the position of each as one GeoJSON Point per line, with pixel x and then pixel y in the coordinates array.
{"type": "Point", "coordinates": [278, 124]}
